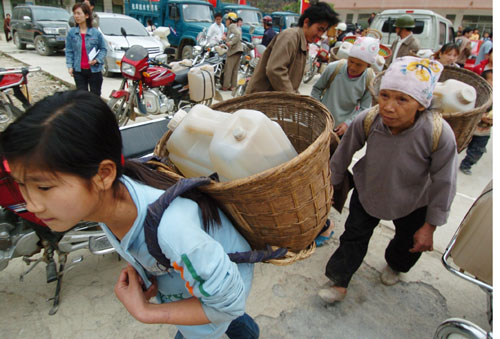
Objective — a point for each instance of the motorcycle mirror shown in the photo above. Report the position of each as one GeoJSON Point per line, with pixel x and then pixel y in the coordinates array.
{"type": "Point", "coordinates": [123, 31]}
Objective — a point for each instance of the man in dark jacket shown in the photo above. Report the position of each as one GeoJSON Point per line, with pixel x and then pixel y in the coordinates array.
{"type": "Point", "coordinates": [407, 44]}
{"type": "Point", "coordinates": [270, 32]}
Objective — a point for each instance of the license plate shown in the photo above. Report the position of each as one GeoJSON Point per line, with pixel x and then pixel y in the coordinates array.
{"type": "Point", "coordinates": [241, 81]}
{"type": "Point", "coordinates": [60, 38]}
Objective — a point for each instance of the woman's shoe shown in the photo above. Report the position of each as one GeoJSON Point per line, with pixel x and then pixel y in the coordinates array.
{"type": "Point", "coordinates": [332, 294]}
{"type": "Point", "coordinates": [321, 239]}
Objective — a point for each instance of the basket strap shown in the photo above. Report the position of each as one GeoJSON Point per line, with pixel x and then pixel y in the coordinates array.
{"type": "Point", "coordinates": [341, 63]}
{"type": "Point", "coordinates": [437, 129]}
{"type": "Point", "coordinates": [369, 118]}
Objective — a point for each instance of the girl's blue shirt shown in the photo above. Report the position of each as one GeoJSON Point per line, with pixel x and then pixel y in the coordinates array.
{"type": "Point", "coordinates": [201, 266]}
{"type": "Point", "coordinates": [93, 39]}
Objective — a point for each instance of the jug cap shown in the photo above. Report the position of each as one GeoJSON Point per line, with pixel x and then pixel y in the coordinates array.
{"type": "Point", "coordinates": [176, 119]}
{"type": "Point", "coordinates": [467, 95]}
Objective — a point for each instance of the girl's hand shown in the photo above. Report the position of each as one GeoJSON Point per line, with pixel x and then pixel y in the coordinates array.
{"type": "Point", "coordinates": [340, 130]}
{"type": "Point", "coordinates": [129, 291]}
{"type": "Point", "coordinates": [70, 71]}
{"type": "Point", "coordinates": [93, 62]}
{"type": "Point", "coordinates": [423, 239]}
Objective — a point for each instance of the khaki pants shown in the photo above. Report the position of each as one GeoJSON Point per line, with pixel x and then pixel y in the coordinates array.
{"type": "Point", "coordinates": [231, 71]}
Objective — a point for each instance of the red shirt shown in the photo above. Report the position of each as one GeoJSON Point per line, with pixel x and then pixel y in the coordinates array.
{"type": "Point", "coordinates": [85, 58]}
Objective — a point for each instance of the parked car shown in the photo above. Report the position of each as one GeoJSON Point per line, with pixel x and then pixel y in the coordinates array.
{"type": "Point", "coordinates": [43, 26]}
{"type": "Point", "coordinates": [110, 26]}
{"type": "Point", "coordinates": [431, 29]}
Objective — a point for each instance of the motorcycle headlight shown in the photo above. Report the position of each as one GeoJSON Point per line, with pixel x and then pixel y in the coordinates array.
{"type": "Point", "coordinates": [197, 50]}
{"type": "Point", "coordinates": [256, 40]}
{"type": "Point", "coordinates": [50, 30]}
{"type": "Point", "coordinates": [128, 69]}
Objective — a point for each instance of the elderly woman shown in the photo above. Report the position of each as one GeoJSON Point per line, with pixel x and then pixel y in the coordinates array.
{"type": "Point", "coordinates": [408, 174]}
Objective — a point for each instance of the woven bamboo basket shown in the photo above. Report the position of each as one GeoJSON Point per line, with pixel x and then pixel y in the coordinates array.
{"type": "Point", "coordinates": [462, 123]}
{"type": "Point", "coordinates": [285, 206]}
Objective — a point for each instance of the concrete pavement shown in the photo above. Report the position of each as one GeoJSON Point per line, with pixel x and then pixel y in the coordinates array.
{"type": "Point", "coordinates": [283, 299]}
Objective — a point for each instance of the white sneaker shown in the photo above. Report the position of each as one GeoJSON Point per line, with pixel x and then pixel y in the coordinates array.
{"type": "Point", "coordinates": [331, 294]}
{"type": "Point", "coordinates": [388, 276]}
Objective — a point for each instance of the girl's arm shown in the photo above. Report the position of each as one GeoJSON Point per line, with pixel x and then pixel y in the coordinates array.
{"type": "Point", "coordinates": [129, 291]}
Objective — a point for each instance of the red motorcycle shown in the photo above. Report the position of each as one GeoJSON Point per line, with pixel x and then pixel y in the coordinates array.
{"type": "Point", "coordinates": [13, 81]}
{"type": "Point", "coordinates": [317, 57]}
{"type": "Point", "coordinates": [151, 87]}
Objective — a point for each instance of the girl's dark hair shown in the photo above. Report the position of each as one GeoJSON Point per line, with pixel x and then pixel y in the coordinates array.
{"type": "Point", "coordinates": [321, 12]}
{"type": "Point", "coordinates": [73, 132]}
{"type": "Point", "coordinates": [86, 10]}
{"type": "Point", "coordinates": [486, 73]}
{"type": "Point", "coordinates": [446, 48]}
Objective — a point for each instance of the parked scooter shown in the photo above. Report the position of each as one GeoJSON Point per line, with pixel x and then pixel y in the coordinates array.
{"type": "Point", "coordinates": [471, 251]}
{"type": "Point", "coordinates": [13, 81]}
{"type": "Point", "coordinates": [317, 59]}
{"type": "Point", "coordinates": [150, 86]}
{"type": "Point", "coordinates": [249, 64]}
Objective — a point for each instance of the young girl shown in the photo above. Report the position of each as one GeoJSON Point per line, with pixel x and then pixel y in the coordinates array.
{"type": "Point", "coordinates": [404, 176]}
{"type": "Point", "coordinates": [447, 54]}
{"type": "Point", "coordinates": [85, 51]}
{"type": "Point", "coordinates": [66, 155]}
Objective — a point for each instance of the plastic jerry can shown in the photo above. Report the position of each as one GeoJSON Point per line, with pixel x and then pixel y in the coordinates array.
{"type": "Point", "coordinates": [248, 142]}
{"type": "Point", "coordinates": [453, 96]}
{"type": "Point", "coordinates": [344, 50]}
{"type": "Point", "coordinates": [190, 139]}
{"type": "Point", "coordinates": [201, 83]}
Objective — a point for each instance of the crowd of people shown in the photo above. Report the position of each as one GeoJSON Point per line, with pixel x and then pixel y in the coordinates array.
{"type": "Point", "coordinates": [204, 293]}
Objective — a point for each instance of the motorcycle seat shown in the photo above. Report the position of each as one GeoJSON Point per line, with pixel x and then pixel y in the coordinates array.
{"type": "Point", "coordinates": [181, 77]}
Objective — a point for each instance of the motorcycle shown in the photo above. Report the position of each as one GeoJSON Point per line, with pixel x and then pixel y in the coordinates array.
{"type": "Point", "coordinates": [471, 254]}
{"type": "Point", "coordinates": [13, 81]}
{"type": "Point", "coordinates": [248, 64]}
{"type": "Point", "coordinates": [210, 53]}
{"type": "Point", "coordinates": [150, 86]}
{"type": "Point", "coordinates": [317, 59]}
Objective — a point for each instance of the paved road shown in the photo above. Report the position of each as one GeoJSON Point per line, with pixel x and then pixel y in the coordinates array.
{"type": "Point", "coordinates": [283, 299]}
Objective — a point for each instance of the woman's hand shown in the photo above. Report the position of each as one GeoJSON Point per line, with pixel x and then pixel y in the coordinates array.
{"type": "Point", "coordinates": [340, 130]}
{"type": "Point", "coordinates": [70, 71]}
{"type": "Point", "coordinates": [129, 291]}
{"type": "Point", "coordinates": [423, 239]}
{"type": "Point", "coordinates": [93, 62]}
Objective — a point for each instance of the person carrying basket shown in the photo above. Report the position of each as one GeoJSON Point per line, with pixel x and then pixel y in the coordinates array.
{"type": "Point", "coordinates": [408, 174]}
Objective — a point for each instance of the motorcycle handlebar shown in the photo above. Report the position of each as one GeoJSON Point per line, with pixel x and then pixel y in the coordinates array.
{"type": "Point", "coordinates": [23, 70]}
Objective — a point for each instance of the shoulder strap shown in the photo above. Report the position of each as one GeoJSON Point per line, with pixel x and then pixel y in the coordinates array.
{"type": "Point", "coordinates": [155, 213]}
{"type": "Point", "coordinates": [334, 74]}
{"type": "Point", "coordinates": [437, 125]}
{"type": "Point", "coordinates": [369, 77]}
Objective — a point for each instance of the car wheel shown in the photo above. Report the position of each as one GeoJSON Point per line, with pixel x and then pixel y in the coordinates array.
{"type": "Point", "coordinates": [105, 70]}
{"type": "Point", "coordinates": [41, 46]}
{"type": "Point", "coordinates": [17, 41]}
{"type": "Point", "coordinates": [187, 52]}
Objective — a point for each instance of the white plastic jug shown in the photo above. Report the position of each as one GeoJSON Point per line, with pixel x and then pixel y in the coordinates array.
{"type": "Point", "coordinates": [201, 83]}
{"type": "Point", "coordinates": [191, 136]}
{"type": "Point", "coordinates": [453, 96]}
{"type": "Point", "coordinates": [344, 50]}
{"type": "Point", "coordinates": [248, 142]}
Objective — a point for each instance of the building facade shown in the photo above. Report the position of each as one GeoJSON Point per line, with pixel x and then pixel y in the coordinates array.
{"type": "Point", "coordinates": [465, 13]}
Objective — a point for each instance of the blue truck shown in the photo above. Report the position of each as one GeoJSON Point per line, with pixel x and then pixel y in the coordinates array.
{"type": "Point", "coordinates": [284, 20]}
{"type": "Point", "coordinates": [185, 18]}
{"type": "Point", "coordinates": [251, 16]}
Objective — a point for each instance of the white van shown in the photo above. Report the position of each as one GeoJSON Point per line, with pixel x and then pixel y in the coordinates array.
{"type": "Point", "coordinates": [431, 29]}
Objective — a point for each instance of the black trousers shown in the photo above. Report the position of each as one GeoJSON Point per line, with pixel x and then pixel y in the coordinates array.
{"type": "Point", "coordinates": [354, 243]}
{"type": "Point", "coordinates": [86, 79]}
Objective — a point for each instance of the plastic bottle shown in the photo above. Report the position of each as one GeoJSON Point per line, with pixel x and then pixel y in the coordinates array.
{"type": "Point", "coordinates": [248, 143]}
{"type": "Point", "coordinates": [344, 50]}
{"type": "Point", "coordinates": [453, 96]}
{"type": "Point", "coordinates": [191, 136]}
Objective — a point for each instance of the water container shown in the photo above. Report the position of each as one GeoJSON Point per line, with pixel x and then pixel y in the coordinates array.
{"type": "Point", "coordinates": [248, 142]}
{"type": "Point", "coordinates": [453, 96]}
{"type": "Point", "coordinates": [201, 83]}
{"type": "Point", "coordinates": [191, 137]}
{"type": "Point", "coordinates": [344, 50]}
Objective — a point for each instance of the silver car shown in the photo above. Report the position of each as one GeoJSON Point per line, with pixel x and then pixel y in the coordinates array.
{"type": "Point", "coordinates": [110, 25]}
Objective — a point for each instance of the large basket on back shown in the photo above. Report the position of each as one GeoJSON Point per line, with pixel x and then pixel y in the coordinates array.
{"type": "Point", "coordinates": [287, 205]}
{"type": "Point", "coordinates": [462, 123]}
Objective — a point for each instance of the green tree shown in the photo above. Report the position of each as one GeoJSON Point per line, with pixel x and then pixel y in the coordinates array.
{"type": "Point", "coordinates": [292, 7]}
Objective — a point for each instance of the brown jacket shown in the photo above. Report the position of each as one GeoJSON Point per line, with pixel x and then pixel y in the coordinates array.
{"type": "Point", "coordinates": [234, 40]}
{"type": "Point", "coordinates": [464, 49]}
{"type": "Point", "coordinates": [282, 65]}
{"type": "Point", "coordinates": [409, 47]}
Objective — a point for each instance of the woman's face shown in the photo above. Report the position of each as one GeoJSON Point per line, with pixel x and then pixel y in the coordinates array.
{"type": "Point", "coordinates": [449, 57]}
{"type": "Point", "coordinates": [398, 110]}
{"type": "Point", "coordinates": [356, 67]}
{"type": "Point", "coordinates": [80, 17]}
{"type": "Point", "coordinates": [314, 32]}
{"type": "Point", "coordinates": [60, 200]}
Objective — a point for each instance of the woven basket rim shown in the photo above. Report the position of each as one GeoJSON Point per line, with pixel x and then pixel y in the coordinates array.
{"type": "Point", "coordinates": [479, 80]}
{"type": "Point", "coordinates": [300, 158]}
